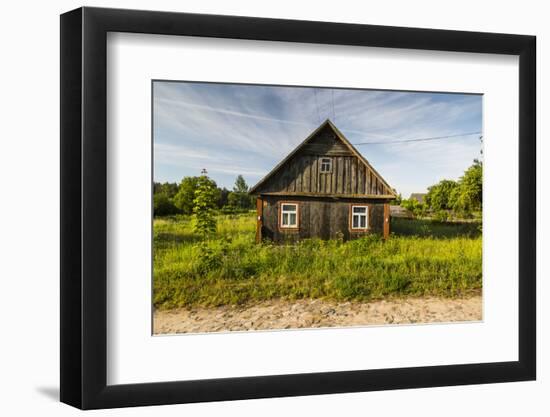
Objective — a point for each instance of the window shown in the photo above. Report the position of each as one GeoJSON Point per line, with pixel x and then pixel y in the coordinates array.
{"type": "Point", "coordinates": [289, 215]}
{"type": "Point", "coordinates": [326, 165]}
{"type": "Point", "coordinates": [359, 217]}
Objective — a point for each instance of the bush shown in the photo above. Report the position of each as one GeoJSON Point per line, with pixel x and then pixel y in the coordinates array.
{"type": "Point", "coordinates": [204, 205]}
{"type": "Point", "coordinates": [186, 194]}
{"type": "Point", "coordinates": [207, 258]}
{"type": "Point", "coordinates": [418, 209]}
{"type": "Point", "coordinates": [439, 195]}
{"type": "Point", "coordinates": [163, 205]}
{"type": "Point", "coordinates": [441, 216]}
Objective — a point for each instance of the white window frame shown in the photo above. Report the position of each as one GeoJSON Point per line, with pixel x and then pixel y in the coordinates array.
{"type": "Point", "coordinates": [359, 215]}
{"type": "Point", "coordinates": [324, 160]}
{"type": "Point", "coordinates": [283, 212]}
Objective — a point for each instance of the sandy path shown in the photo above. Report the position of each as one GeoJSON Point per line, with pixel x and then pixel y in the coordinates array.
{"type": "Point", "coordinates": [280, 314]}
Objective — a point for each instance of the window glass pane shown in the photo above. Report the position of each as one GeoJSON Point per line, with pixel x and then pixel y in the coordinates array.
{"type": "Point", "coordinates": [285, 219]}
{"type": "Point", "coordinates": [292, 219]}
{"type": "Point", "coordinates": [355, 221]}
{"type": "Point", "coordinates": [359, 209]}
{"type": "Point", "coordinates": [363, 222]}
{"type": "Point", "coordinates": [289, 207]}
{"type": "Point", "coordinates": [325, 164]}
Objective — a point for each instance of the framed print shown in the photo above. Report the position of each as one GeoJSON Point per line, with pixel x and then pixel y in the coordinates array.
{"type": "Point", "coordinates": [255, 208]}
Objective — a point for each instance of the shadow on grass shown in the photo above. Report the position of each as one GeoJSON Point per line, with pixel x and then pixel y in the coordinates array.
{"type": "Point", "coordinates": [435, 229]}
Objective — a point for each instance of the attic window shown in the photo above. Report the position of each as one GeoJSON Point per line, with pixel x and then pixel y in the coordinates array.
{"type": "Point", "coordinates": [326, 165]}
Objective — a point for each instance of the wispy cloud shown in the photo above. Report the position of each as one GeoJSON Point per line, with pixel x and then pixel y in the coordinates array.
{"type": "Point", "coordinates": [243, 129]}
{"type": "Point", "coordinates": [172, 102]}
{"type": "Point", "coordinates": [183, 158]}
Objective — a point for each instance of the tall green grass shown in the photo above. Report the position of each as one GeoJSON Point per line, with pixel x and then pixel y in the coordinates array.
{"type": "Point", "coordinates": [231, 269]}
{"type": "Point", "coordinates": [435, 229]}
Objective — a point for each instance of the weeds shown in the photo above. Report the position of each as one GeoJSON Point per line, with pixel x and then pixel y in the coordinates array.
{"type": "Point", "coordinates": [421, 258]}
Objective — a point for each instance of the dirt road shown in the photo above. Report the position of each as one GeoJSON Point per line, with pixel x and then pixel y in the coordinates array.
{"type": "Point", "coordinates": [280, 314]}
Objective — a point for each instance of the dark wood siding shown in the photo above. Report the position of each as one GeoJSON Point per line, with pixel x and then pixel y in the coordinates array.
{"type": "Point", "coordinates": [302, 173]}
{"type": "Point", "coordinates": [323, 218]}
{"type": "Point", "coordinates": [348, 177]}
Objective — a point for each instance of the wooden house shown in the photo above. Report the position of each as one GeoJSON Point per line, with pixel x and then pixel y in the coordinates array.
{"type": "Point", "coordinates": [324, 188]}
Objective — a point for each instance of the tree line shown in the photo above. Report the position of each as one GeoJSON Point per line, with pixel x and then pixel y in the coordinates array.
{"type": "Point", "coordinates": [449, 198]}
{"type": "Point", "coordinates": [171, 198]}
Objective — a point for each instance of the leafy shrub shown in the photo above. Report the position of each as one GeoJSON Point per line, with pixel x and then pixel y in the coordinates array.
{"type": "Point", "coordinates": [441, 215]}
{"type": "Point", "coordinates": [418, 209]}
{"type": "Point", "coordinates": [207, 258]}
{"type": "Point", "coordinates": [204, 205]}
{"type": "Point", "coordinates": [163, 205]}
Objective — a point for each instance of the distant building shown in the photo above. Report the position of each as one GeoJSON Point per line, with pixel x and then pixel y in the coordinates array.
{"type": "Point", "coordinates": [400, 212]}
{"type": "Point", "coordinates": [324, 188]}
{"type": "Point", "coordinates": [420, 197]}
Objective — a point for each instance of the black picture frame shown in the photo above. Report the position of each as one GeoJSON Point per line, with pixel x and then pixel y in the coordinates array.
{"type": "Point", "coordinates": [84, 207]}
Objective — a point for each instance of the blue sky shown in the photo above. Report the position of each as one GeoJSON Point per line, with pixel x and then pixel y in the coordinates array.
{"type": "Point", "coordinates": [232, 129]}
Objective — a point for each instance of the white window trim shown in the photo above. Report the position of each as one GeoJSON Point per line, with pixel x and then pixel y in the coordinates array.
{"type": "Point", "coordinates": [365, 214]}
{"type": "Point", "coordinates": [329, 165]}
{"type": "Point", "coordinates": [296, 209]}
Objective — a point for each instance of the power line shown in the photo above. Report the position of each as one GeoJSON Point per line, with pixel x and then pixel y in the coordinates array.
{"type": "Point", "coordinates": [333, 111]}
{"type": "Point", "coordinates": [317, 104]}
{"type": "Point", "coordinates": [418, 139]}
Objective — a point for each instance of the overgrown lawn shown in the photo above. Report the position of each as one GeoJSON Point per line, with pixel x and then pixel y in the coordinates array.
{"type": "Point", "coordinates": [421, 258]}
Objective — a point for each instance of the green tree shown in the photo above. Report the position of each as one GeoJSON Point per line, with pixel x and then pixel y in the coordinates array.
{"type": "Point", "coordinates": [240, 185]}
{"type": "Point", "coordinates": [411, 204]}
{"type": "Point", "coordinates": [239, 200]}
{"type": "Point", "coordinates": [239, 197]}
{"type": "Point", "coordinates": [204, 205]}
{"type": "Point", "coordinates": [163, 205]}
{"type": "Point", "coordinates": [156, 187]}
{"type": "Point", "coordinates": [186, 194]}
{"type": "Point", "coordinates": [454, 197]}
{"type": "Point", "coordinates": [439, 195]}
{"type": "Point", "coordinates": [399, 199]}
{"type": "Point", "coordinates": [168, 188]}
{"type": "Point", "coordinates": [224, 194]}
{"type": "Point", "coordinates": [469, 195]}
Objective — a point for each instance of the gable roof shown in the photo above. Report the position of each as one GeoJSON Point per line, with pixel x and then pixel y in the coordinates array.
{"type": "Point", "coordinates": [312, 135]}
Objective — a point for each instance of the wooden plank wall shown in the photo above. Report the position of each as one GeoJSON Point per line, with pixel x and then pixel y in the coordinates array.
{"type": "Point", "coordinates": [386, 221]}
{"type": "Point", "coordinates": [325, 219]}
{"type": "Point", "coordinates": [348, 176]}
{"type": "Point", "coordinates": [259, 219]}
{"type": "Point", "coordinates": [301, 173]}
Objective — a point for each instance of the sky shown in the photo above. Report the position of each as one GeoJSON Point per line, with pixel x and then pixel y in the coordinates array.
{"type": "Point", "coordinates": [232, 129]}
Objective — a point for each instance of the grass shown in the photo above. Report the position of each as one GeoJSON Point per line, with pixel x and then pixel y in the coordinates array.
{"type": "Point", "coordinates": [421, 258]}
{"type": "Point", "coordinates": [435, 229]}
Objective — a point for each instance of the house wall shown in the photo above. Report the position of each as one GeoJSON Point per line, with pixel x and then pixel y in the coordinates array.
{"type": "Point", "coordinates": [349, 176]}
{"type": "Point", "coordinates": [318, 217]}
